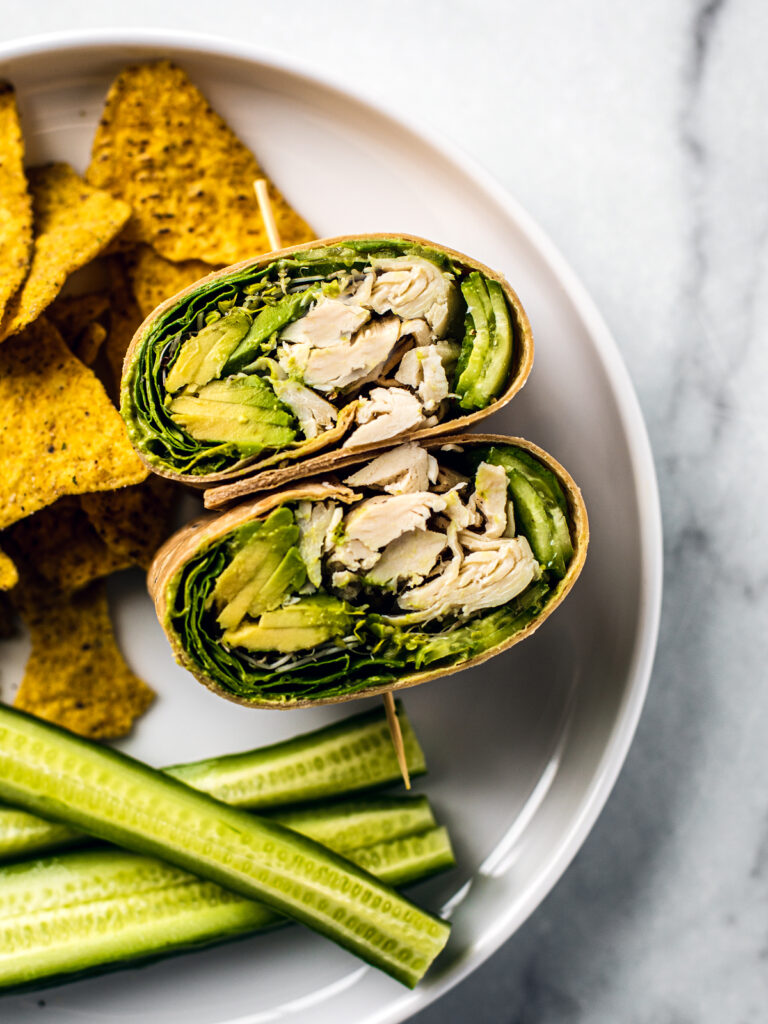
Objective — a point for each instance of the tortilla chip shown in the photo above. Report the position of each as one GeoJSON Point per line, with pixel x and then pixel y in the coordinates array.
{"type": "Point", "coordinates": [9, 575]}
{"type": "Point", "coordinates": [15, 201]}
{"type": "Point", "coordinates": [133, 522]}
{"type": "Point", "coordinates": [89, 343]}
{"type": "Point", "coordinates": [73, 222]}
{"type": "Point", "coordinates": [125, 318]}
{"type": "Point", "coordinates": [186, 175]}
{"type": "Point", "coordinates": [81, 320]}
{"type": "Point", "coordinates": [121, 331]}
{"type": "Point", "coordinates": [72, 314]}
{"type": "Point", "coordinates": [59, 432]}
{"type": "Point", "coordinates": [155, 279]}
{"type": "Point", "coordinates": [60, 547]}
{"type": "Point", "coordinates": [76, 676]}
{"type": "Point", "coordinates": [119, 286]}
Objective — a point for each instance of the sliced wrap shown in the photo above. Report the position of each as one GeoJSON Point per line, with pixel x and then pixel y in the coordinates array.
{"type": "Point", "coordinates": [344, 343]}
{"type": "Point", "coordinates": [430, 558]}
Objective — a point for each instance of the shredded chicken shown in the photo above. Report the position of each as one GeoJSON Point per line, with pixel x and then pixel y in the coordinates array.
{"type": "Point", "coordinates": [418, 330]}
{"type": "Point", "coordinates": [328, 322]}
{"type": "Point", "coordinates": [490, 497]}
{"type": "Point", "coordinates": [377, 521]}
{"type": "Point", "coordinates": [337, 366]}
{"type": "Point", "coordinates": [292, 359]}
{"type": "Point", "coordinates": [485, 578]}
{"type": "Point", "coordinates": [386, 413]}
{"type": "Point", "coordinates": [317, 521]}
{"type": "Point", "coordinates": [412, 287]}
{"type": "Point", "coordinates": [411, 557]}
{"type": "Point", "coordinates": [339, 344]}
{"type": "Point", "coordinates": [313, 412]}
{"type": "Point", "coordinates": [446, 553]}
{"type": "Point", "coordinates": [358, 291]}
{"type": "Point", "coordinates": [354, 555]}
{"type": "Point", "coordinates": [422, 369]}
{"type": "Point", "coordinates": [458, 514]}
{"type": "Point", "coordinates": [342, 578]}
{"type": "Point", "coordinates": [402, 470]}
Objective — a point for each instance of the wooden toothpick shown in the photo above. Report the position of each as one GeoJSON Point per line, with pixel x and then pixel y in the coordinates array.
{"type": "Point", "coordinates": [397, 737]}
{"type": "Point", "coordinates": [267, 213]}
{"type": "Point", "coordinates": [268, 216]}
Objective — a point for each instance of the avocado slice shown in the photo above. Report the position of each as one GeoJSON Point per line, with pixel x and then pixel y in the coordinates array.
{"type": "Point", "coordinates": [202, 356]}
{"type": "Point", "coordinates": [477, 342]}
{"type": "Point", "coordinates": [253, 567]}
{"type": "Point", "coordinates": [289, 576]}
{"type": "Point", "coordinates": [250, 427]}
{"type": "Point", "coordinates": [266, 322]}
{"type": "Point", "coordinates": [296, 627]}
{"type": "Point", "coordinates": [242, 390]}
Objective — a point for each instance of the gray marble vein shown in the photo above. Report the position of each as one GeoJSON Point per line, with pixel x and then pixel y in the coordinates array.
{"type": "Point", "coordinates": [637, 135]}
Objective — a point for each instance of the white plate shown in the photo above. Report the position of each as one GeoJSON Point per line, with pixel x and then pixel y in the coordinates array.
{"type": "Point", "coordinates": [523, 751]}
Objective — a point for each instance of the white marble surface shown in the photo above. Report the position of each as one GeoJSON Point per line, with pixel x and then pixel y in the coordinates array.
{"type": "Point", "coordinates": [637, 134]}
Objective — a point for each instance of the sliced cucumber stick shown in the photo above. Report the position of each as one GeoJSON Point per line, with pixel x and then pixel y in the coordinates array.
{"type": "Point", "coordinates": [112, 796]}
{"type": "Point", "coordinates": [353, 754]}
{"type": "Point", "coordinates": [487, 350]}
{"type": "Point", "coordinates": [26, 835]}
{"type": "Point", "coordinates": [496, 369]}
{"type": "Point", "coordinates": [540, 507]}
{"type": "Point", "coordinates": [86, 911]}
{"type": "Point", "coordinates": [364, 822]}
{"type": "Point", "coordinates": [345, 757]}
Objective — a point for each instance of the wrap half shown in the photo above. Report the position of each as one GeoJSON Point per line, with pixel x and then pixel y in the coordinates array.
{"type": "Point", "coordinates": [429, 559]}
{"type": "Point", "coordinates": [344, 343]}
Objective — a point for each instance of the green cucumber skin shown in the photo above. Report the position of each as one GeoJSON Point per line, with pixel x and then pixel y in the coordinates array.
{"type": "Point", "coordinates": [496, 370]}
{"type": "Point", "coordinates": [91, 911]}
{"type": "Point", "coordinates": [342, 825]}
{"type": "Point", "coordinates": [112, 796]}
{"type": "Point", "coordinates": [481, 314]}
{"type": "Point", "coordinates": [352, 824]}
{"type": "Point", "coordinates": [540, 506]}
{"type": "Point", "coordinates": [353, 754]}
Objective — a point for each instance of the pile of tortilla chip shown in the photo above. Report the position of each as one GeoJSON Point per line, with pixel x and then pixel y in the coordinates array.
{"type": "Point", "coordinates": [167, 198]}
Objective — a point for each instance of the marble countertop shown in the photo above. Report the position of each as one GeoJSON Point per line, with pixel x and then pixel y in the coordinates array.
{"type": "Point", "coordinates": [637, 135]}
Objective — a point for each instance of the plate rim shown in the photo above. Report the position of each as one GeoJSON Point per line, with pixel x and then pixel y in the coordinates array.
{"type": "Point", "coordinates": [629, 413]}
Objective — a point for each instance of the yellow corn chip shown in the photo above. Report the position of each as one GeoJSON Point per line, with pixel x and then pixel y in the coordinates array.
{"type": "Point", "coordinates": [89, 343]}
{"type": "Point", "coordinates": [121, 329]}
{"type": "Point", "coordinates": [155, 279]}
{"type": "Point", "coordinates": [73, 222]}
{"type": "Point", "coordinates": [134, 521]}
{"type": "Point", "coordinates": [185, 174]}
{"type": "Point", "coordinates": [9, 576]}
{"type": "Point", "coordinates": [72, 314]}
{"type": "Point", "coordinates": [81, 320]}
{"type": "Point", "coordinates": [124, 319]}
{"type": "Point", "coordinates": [15, 201]}
{"type": "Point", "coordinates": [60, 547]}
{"type": "Point", "coordinates": [59, 433]}
{"type": "Point", "coordinates": [76, 676]}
